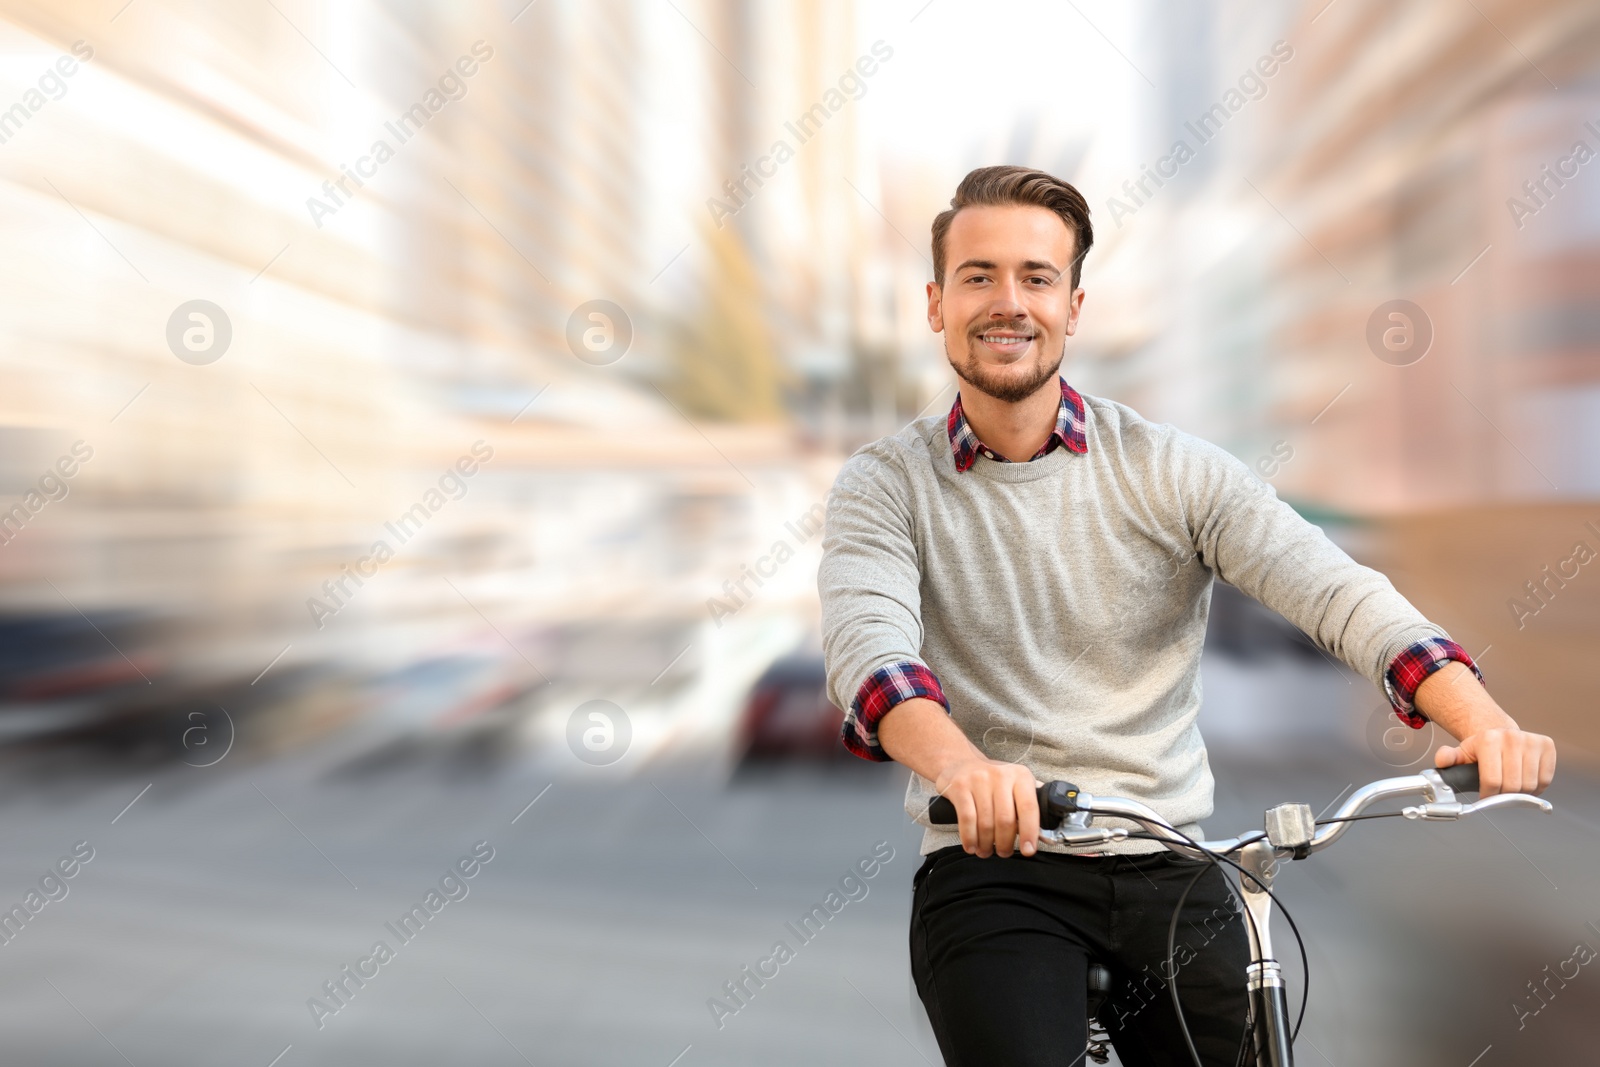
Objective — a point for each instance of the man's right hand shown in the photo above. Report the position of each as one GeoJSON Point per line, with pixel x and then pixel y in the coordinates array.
{"type": "Point", "coordinates": [997, 804]}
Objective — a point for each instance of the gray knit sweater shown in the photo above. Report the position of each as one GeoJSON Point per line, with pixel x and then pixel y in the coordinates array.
{"type": "Point", "coordinates": [1062, 602]}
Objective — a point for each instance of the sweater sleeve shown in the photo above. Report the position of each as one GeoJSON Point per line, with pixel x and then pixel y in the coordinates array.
{"type": "Point", "coordinates": [870, 585]}
{"type": "Point", "coordinates": [1256, 542]}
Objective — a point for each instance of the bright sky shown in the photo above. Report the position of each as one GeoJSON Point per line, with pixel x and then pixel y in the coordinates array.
{"type": "Point", "coordinates": [965, 74]}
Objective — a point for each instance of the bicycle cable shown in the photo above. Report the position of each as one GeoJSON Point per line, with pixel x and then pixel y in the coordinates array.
{"type": "Point", "coordinates": [1172, 928]}
{"type": "Point", "coordinates": [1213, 857]}
{"type": "Point", "coordinates": [1305, 962]}
{"type": "Point", "coordinates": [1358, 818]}
{"type": "Point", "coordinates": [1172, 940]}
{"type": "Point", "coordinates": [1172, 937]}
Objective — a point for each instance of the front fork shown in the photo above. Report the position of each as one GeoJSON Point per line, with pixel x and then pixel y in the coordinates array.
{"type": "Point", "coordinates": [1269, 1001]}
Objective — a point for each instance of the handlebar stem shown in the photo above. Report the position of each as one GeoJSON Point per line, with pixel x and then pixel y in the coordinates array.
{"type": "Point", "coordinates": [1260, 859]}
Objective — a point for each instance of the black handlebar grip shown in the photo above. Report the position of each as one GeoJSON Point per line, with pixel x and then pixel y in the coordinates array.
{"type": "Point", "coordinates": [1056, 801]}
{"type": "Point", "coordinates": [1463, 777]}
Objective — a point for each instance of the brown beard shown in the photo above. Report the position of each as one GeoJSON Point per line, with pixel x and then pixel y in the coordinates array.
{"type": "Point", "coordinates": [1005, 391]}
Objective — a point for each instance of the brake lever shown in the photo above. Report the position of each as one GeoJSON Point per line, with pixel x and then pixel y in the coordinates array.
{"type": "Point", "coordinates": [1454, 809]}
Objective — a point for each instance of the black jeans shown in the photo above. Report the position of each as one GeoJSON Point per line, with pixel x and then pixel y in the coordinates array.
{"type": "Point", "coordinates": [1000, 951]}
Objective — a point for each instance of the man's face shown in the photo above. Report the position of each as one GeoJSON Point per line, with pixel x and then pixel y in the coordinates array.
{"type": "Point", "coordinates": [1007, 304]}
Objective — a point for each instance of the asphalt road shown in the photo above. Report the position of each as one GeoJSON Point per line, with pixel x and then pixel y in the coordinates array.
{"type": "Point", "coordinates": [217, 905]}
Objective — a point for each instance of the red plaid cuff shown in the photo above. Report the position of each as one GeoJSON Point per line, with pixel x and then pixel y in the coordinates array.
{"type": "Point", "coordinates": [1414, 664]}
{"type": "Point", "coordinates": [883, 689]}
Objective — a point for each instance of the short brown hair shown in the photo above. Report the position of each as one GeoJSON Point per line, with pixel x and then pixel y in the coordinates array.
{"type": "Point", "coordinates": [1018, 185]}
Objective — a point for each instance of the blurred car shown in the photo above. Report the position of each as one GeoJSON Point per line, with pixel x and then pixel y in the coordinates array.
{"type": "Point", "coordinates": [62, 671]}
{"type": "Point", "coordinates": [112, 682]}
{"type": "Point", "coordinates": [788, 715]}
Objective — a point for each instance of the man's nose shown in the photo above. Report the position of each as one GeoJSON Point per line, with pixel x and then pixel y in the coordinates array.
{"type": "Point", "coordinates": [1006, 307]}
{"type": "Point", "coordinates": [1006, 304]}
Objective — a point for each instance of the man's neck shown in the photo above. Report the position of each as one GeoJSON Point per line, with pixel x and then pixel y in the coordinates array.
{"type": "Point", "coordinates": [1014, 430]}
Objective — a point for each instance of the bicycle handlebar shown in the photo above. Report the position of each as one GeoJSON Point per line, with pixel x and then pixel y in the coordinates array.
{"type": "Point", "coordinates": [1057, 801]}
{"type": "Point", "coordinates": [1291, 832]}
{"type": "Point", "coordinates": [943, 813]}
{"type": "Point", "coordinates": [1066, 813]}
{"type": "Point", "coordinates": [1462, 778]}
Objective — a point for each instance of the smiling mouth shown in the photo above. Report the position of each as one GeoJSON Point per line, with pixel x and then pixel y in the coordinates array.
{"type": "Point", "coordinates": [1007, 340]}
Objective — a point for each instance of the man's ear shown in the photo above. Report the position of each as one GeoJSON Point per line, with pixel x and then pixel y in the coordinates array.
{"type": "Point", "coordinates": [1077, 310]}
{"type": "Point", "coordinates": [935, 307]}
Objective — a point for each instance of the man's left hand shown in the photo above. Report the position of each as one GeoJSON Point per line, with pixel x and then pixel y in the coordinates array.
{"type": "Point", "coordinates": [1509, 760]}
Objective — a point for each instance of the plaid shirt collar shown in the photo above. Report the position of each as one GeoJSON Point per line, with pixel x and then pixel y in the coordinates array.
{"type": "Point", "coordinates": [1069, 431]}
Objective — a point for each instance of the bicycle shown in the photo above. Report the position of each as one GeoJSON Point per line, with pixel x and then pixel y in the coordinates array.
{"type": "Point", "coordinates": [1291, 832]}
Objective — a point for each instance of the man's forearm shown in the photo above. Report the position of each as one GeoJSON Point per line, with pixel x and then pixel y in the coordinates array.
{"type": "Point", "coordinates": [1452, 698]}
{"type": "Point", "coordinates": [921, 735]}
{"type": "Point", "coordinates": [1510, 759]}
{"type": "Point", "coordinates": [995, 803]}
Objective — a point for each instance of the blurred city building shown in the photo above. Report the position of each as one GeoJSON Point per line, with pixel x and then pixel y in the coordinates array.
{"type": "Point", "coordinates": [403, 215]}
{"type": "Point", "coordinates": [663, 265]}
{"type": "Point", "coordinates": [1440, 155]}
{"type": "Point", "coordinates": [1341, 157]}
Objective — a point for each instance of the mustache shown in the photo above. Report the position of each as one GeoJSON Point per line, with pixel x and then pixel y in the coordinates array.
{"type": "Point", "coordinates": [1018, 326]}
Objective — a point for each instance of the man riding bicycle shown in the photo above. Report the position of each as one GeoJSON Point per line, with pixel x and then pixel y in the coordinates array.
{"type": "Point", "coordinates": [1017, 592]}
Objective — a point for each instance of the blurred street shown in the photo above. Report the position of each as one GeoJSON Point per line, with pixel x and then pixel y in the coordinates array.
{"type": "Point", "coordinates": [617, 904]}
